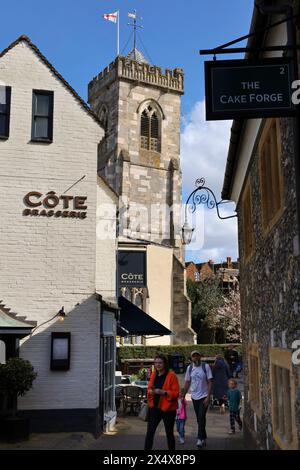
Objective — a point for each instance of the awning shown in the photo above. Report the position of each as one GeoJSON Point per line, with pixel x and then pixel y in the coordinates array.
{"type": "Point", "coordinates": [136, 322]}
{"type": "Point", "coordinates": [10, 324]}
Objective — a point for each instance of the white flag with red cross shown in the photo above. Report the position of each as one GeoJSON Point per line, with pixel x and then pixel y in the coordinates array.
{"type": "Point", "coordinates": [111, 17]}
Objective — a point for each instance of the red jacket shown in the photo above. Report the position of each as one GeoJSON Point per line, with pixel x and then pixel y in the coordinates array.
{"type": "Point", "coordinates": [171, 385]}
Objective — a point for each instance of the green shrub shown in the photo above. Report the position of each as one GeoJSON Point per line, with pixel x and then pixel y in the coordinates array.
{"type": "Point", "coordinates": [16, 377]}
{"type": "Point", "coordinates": [143, 352]}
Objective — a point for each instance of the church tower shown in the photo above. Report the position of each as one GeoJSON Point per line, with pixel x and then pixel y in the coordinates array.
{"type": "Point", "coordinates": [139, 107]}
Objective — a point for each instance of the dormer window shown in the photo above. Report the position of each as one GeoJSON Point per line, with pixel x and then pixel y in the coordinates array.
{"type": "Point", "coordinates": [150, 129]}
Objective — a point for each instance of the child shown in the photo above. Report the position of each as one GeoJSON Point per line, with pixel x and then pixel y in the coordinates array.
{"type": "Point", "coordinates": [234, 398]}
{"type": "Point", "coordinates": [181, 416]}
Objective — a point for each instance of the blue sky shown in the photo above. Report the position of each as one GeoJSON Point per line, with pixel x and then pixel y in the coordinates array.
{"type": "Point", "coordinates": [79, 43]}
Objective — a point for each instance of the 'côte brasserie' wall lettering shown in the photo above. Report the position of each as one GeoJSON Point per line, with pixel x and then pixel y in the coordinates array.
{"type": "Point", "coordinates": [52, 205]}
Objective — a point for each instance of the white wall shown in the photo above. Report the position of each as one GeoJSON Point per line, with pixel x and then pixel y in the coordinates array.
{"type": "Point", "coordinates": [106, 245]}
{"type": "Point", "coordinates": [160, 287]}
{"type": "Point", "coordinates": [46, 263]}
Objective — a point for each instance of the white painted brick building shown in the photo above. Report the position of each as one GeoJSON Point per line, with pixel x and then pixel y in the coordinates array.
{"type": "Point", "coordinates": [52, 260]}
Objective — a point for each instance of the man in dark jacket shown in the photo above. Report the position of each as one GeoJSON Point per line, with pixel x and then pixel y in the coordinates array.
{"type": "Point", "coordinates": [232, 357]}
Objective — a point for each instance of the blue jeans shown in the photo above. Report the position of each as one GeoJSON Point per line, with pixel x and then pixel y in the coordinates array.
{"type": "Point", "coordinates": [180, 427]}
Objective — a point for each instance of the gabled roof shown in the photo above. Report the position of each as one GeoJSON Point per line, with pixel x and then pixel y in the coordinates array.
{"type": "Point", "coordinates": [188, 263]}
{"type": "Point", "coordinates": [36, 50]}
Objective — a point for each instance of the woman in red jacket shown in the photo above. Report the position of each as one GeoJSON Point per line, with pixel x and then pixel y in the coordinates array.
{"type": "Point", "coordinates": [162, 394]}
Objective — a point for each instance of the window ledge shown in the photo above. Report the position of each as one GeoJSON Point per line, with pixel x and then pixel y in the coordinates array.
{"type": "Point", "coordinates": [3, 137]}
{"type": "Point", "coordinates": [42, 141]}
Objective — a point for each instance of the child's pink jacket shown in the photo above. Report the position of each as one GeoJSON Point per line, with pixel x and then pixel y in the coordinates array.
{"type": "Point", "coordinates": [181, 410]}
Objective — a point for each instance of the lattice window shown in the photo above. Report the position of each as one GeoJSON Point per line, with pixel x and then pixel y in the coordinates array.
{"type": "Point", "coordinates": [150, 130]}
{"type": "Point", "coordinates": [126, 292]}
{"type": "Point", "coordinates": [145, 126]}
{"type": "Point", "coordinates": [270, 175]}
{"type": "Point", "coordinates": [283, 399]}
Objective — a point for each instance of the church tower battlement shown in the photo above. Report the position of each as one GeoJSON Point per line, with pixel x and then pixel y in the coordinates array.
{"type": "Point", "coordinates": [124, 68]}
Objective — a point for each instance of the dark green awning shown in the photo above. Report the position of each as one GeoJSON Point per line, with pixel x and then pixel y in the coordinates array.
{"type": "Point", "coordinates": [136, 322]}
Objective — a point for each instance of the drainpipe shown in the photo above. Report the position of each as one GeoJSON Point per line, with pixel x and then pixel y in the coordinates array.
{"type": "Point", "coordinates": [291, 41]}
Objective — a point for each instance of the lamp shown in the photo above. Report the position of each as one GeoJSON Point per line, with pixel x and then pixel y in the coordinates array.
{"type": "Point", "coordinates": [187, 233]}
{"type": "Point", "coordinates": [61, 314]}
{"type": "Point", "coordinates": [201, 195]}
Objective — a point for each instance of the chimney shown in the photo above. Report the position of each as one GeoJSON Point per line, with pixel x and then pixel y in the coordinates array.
{"type": "Point", "coordinates": [229, 262]}
{"type": "Point", "coordinates": [211, 264]}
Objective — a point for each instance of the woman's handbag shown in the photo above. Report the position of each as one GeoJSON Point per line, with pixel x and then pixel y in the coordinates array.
{"type": "Point", "coordinates": [144, 411]}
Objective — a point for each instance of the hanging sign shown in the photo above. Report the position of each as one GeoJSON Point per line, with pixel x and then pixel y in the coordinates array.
{"type": "Point", "coordinates": [241, 89]}
{"type": "Point", "coordinates": [132, 268]}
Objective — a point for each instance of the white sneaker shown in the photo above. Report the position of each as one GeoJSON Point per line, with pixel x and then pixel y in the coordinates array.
{"type": "Point", "coordinates": [181, 440]}
{"type": "Point", "coordinates": [199, 443]}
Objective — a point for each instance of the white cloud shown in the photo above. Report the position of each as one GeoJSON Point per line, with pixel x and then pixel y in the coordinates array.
{"type": "Point", "coordinates": [204, 147]}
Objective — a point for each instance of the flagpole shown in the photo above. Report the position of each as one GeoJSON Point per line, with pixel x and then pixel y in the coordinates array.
{"type": "Point", "coordinates": [118, 34]}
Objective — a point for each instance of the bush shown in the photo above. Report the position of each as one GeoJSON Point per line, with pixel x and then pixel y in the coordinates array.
{"type": "Point", "coordinates": [143, 352]}
{"type": "Point", "coordinates": [16, 377]}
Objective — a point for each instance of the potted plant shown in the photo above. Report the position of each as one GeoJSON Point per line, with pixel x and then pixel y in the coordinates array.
{"type": "Point", "coordinates": [16, 378]}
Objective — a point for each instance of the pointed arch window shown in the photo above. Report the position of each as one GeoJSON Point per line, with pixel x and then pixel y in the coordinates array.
{"type": "Point", "coordinates": [150, 129]}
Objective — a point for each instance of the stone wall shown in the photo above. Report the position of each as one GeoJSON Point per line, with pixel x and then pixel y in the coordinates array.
{"type": "Point", "coordinates": [270, 290]}
{"type": "Point", "coordinates": [148, 182]}
{"type": "Point", "coordinates": [182, 307]}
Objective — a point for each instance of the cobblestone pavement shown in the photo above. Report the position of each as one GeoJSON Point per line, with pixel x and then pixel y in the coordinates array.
{"type": "Point", "coordinates": [130, 432]}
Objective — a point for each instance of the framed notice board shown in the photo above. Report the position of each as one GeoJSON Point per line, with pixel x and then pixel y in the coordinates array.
{"type": "Point", "coordinates": [60, 351]}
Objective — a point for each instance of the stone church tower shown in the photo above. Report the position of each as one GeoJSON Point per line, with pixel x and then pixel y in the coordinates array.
{"type": "Point", "coordinates": [139, 106]}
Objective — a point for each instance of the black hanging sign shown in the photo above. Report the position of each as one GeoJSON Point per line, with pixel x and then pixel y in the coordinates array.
{"type": "Point", "coordinates": [132, 268]}
{"type": "Point", "coordinates": [241, 89]}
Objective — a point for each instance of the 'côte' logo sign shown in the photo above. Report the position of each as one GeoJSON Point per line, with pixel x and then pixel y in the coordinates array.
{"type": "Point", "coordinates": [52, 205]}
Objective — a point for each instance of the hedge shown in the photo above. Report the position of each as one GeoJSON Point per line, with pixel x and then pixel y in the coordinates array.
{"type": "Point", "coordinates": [142, 352]}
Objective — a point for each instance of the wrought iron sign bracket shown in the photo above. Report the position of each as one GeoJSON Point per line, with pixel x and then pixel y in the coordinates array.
{"type": "Point", "coordinates": [201, 195]}
{"type": "Point", "coordinates": [204, 195]}
{"type": "Point", "coordinates": [223, 49]}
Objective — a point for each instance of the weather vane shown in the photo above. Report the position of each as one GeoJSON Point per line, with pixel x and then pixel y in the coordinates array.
{"type": "Point", "coordinates": [135, 26]}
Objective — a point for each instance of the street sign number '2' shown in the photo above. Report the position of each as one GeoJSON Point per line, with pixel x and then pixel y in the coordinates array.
{"type": "Point", "coordinates": [241, 89]}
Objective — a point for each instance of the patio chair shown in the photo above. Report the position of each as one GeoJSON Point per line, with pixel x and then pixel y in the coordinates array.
{"type": "Point", "coordinates": [132, 398]}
